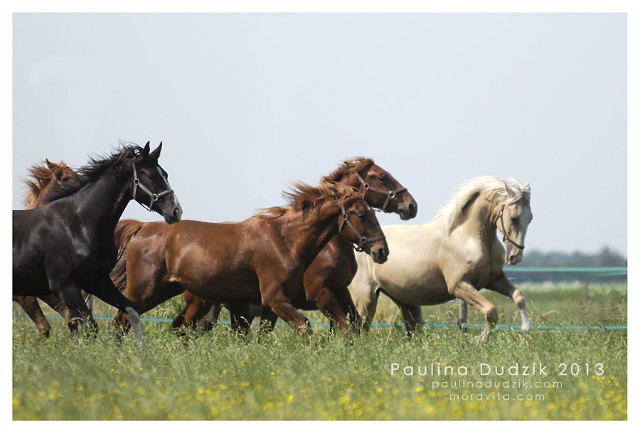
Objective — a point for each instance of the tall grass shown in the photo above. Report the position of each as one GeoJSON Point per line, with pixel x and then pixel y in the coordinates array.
{"type": "Point", "coordinates": [324, 377]}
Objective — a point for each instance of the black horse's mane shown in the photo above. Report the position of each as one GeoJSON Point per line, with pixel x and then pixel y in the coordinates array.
{"type": "Point", "coordinates": [96, 167]}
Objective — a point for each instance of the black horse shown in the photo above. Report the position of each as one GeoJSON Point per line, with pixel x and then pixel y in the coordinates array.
{"type": "Point", "coordinates": [68, 244]}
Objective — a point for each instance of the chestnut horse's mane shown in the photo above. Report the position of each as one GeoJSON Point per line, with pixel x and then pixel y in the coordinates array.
{"type": "Point", "coordinates": [353, 165]}
{"type": "Point", "coordinates": [303, 197]}
{"type": "Point", "coordinates": [41, 176]}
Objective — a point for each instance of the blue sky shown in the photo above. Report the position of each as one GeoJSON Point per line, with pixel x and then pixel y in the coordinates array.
{"type": "Point", "coordinates": [246, 103]}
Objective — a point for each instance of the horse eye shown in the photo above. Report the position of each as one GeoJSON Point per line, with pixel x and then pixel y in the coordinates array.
{"type": "Point", "coordinates": [514, 219]}
{"type": "Point", "coordinates": [382, 177]}
{"type": "Point", "coordinates": [360, 215]}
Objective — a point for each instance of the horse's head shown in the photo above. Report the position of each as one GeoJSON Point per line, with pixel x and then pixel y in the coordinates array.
{"type": "Point", "coordinates": [151, 186]}
{"type": "Point", "coordinates": [48, 183]}
{"type": "Point", "coordinates": [382, 191]}
{"type": "Point", "coordinates": [513, 221]}
{"type": "Point", "coordinates": [363, 229]}
{"type": "Point", "coordinates": [63, 175]}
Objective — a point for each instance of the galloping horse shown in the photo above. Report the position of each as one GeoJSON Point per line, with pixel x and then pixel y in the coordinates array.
{"type": "Point", "coordinates": [453, 256]}
{"type": "Point", "coordinates": [67, 245]}
{"type": "Point", "coordinates": [259, 260]}
{"type": "Point", "coordinates": [45, 183]}
{"type": "Point", "coordinates": [327, 278]}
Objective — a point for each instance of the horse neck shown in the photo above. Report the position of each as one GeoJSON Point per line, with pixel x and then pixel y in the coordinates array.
{"type": "Point", "coordinates": [104, 200]}
{"type": "Point", "coordinates": [350, 179]}
{"type": "Point", "coordinates": [483, 215]}
{"type": "Point", "coordinates": [310, 234]}
{"type": "Point", "coordinates": [43, 195]}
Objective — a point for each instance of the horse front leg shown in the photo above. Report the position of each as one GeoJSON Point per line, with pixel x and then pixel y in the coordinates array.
{"type": "Point", "coordinates": [330, 307]}
{"type": "Point", "coordinates": [344, 299]}
{"type": "Point", "coordinates": [71, 296]}
{"type": "Point", "coordinates": [281, 305]}
{"type": "Point", "coordinates": [56, 304]}
{"type": "Point", "coordinates": [503, 286]}
{"type": "Point", "coordinates": [30, 306]}
{"type": "Point", "coordinates": [471, 296]}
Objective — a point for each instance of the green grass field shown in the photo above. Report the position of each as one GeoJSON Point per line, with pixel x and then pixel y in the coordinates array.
{"type": "Point", "coordinates": [327, 377]}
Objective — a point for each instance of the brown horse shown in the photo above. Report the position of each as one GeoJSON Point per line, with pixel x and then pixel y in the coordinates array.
{"type": "Point", "coordinates": [327, 278]}
{"type": "Point", "coordinates": [46, 182]}
{"type": "Point", "coordinates": [259, 260]}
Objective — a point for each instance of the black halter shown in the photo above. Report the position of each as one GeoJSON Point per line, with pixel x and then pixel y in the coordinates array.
{"type": "Point", "coordinates": [153, 197]}
{"type": "Point", "coordinates": [362, 239]}
{"type": "Point", "coordinates": [505, 236]}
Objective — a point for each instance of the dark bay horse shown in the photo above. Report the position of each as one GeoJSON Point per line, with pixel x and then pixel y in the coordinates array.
{"type": "Point", "coordinates": [257, 261]}
{"type": "Point", "coordinates": [327, 278]}
{"type": "Point", "coordinates": [67, 245]}
{"type": "Point", "coordinates": [46, 182]}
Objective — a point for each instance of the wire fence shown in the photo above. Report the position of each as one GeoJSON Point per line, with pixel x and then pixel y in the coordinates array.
{"type": "Point", "coordinates": [578, 273]}
{"type": "Point", "coordinates": [538, 274]}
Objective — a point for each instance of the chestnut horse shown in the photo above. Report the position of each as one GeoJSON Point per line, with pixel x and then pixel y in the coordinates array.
{"type": "Point", "coordinates": [67, 245]}
{"type": "Point", "coordinates": [327, 278]}
{"type": "Point", "coordinates": [259, 260]}
{"type": "Point", "coordinates": [45, 183]}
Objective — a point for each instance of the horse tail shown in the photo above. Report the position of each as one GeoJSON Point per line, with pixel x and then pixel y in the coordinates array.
{"type": "Point", "coordinates": [125, 231]}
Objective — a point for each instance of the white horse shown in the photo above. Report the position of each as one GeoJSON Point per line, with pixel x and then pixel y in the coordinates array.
{"type": "Point", "coordinates": [453, 256]}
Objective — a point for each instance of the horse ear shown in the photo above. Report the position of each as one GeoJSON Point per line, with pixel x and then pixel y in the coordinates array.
{"type": "Point", "coordinates": [145, 151]}
{"type": "Point", "coordinates": [50, 164]}
{"type": "Point", "coordinates": [510, 192]}
{"type": "Point", "coordinates": [156, 153]}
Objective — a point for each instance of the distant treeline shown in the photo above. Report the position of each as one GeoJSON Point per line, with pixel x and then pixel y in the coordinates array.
{"type": "Point", "coordinates": [605, 258]}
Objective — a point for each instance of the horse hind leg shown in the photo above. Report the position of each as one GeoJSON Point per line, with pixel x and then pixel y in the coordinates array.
{"type": "Point", "coordinates": [211, 318]}
{"type": "Point", "coordinates": [30, 305]}
{"type": "Point", "coordinates": [411, 316]}
{"type": "Point", "coordinates": [241, 318]}
{"type": "Point", "coordinates": [463, 316]}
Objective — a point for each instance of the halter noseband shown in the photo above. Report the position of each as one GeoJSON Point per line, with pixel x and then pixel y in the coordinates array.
{"type": "Point", "coordinates": [505, 236]}
{"type": "Point", "coordinates": [154, 197]}
{"type": "Point", "coordinates": [390, 194]}
{"type": "Point", "coordinates": [362, 239]}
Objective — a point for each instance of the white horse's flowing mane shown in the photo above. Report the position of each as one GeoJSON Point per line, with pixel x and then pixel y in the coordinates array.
{"type": "Point", "coordinates": [486, 187]}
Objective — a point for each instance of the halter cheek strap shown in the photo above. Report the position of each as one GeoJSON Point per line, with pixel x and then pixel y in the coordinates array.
{"type": "Point", "coordinates": [390, 194]}
{"type": "Point", "coordinates": [153, 197]}
{"type": "Point", "coordinates": [505, 236]}
{"type": "Point", "coordinates": [362, 239]}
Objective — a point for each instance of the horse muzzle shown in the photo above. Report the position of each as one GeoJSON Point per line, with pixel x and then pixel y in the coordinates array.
{"type": "Point", "coordinates": [408, 209]}
{"type": "Point", "coordinates": [174, 215]}
{"type": "Point", "coordinates": [513, 256]}
{"type": "Point", "coordinates": [380, 254]}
